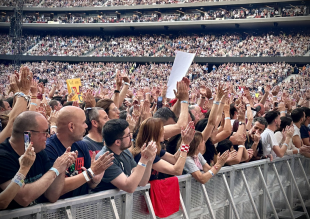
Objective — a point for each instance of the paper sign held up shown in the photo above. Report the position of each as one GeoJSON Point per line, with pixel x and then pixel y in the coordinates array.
{"type": "Point", "coordinates": [181, 64]}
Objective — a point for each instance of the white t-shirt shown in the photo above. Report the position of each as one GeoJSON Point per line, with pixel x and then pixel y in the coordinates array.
{"type": "Point", "coordinates": [269, 141]}
{"type": "Point", "coordinates": [296, 131]}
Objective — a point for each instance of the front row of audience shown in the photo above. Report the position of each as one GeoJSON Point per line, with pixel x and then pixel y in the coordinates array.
{"type": "Point", "coordinates": [116, 154]}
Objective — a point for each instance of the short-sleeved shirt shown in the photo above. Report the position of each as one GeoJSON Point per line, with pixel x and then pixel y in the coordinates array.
{"type": "Point", "coordinates": [296, 131]}
{"type": "Point", "coordinates": [123, 163]}
{"type": "Point", "coordinates": [154, 174]}
{"type": "Point", "coordinates": [10, 165]}
{"type": "Point", "coordinates": [269, 141]}
{"type": "Point", "coordinates": [54, 149]}
{"type": "Point", "coordinates": [304, 132]}
{"type": "Point", "coordinates": [190, 166]}
{"type": "Point", "coordinates": [92, 145]}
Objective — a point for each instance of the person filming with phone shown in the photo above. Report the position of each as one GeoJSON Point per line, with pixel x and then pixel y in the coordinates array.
{"type": "Point", "coordinates": [43, 180]}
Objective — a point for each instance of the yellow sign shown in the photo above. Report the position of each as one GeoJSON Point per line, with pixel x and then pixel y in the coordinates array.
{"type": "Point", "coordinates": [74, 85]}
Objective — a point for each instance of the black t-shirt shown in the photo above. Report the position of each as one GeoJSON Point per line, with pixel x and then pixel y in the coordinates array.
{"type": "Point", "coordinates": [122, 163]}
{"type": "Point", "coordinates": [154, 174]}
{"type": "Point", "coordinates": [10, 165]}
{"type": "Point", "coordinates": [55, 149]}
{"type": "Point", "coordinates": [93, 145]}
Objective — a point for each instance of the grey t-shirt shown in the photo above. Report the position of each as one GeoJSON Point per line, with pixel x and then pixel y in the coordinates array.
{"type": "Point", "coordinates": [190, 166]}
{"type": "Point", "coordinates": [122, 163]}
{"type": "Point", "coordinates": [93, 145]}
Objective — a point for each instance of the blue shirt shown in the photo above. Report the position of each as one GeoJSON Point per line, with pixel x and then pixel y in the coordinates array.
{"type": "Point", "coordinates": [54, 149]}
{"type": "Point", "coordinates": [154, 174]}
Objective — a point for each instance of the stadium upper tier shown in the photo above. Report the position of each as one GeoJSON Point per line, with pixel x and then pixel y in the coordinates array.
{"type": "Point", "coordinates": [269, 44]}
{"type": "Point", "coordinates": [120, 4]}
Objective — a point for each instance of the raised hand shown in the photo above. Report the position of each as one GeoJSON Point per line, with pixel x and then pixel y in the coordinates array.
{"type": "Point", "coordinates": [275, 90]}
{"type": "Point", "coordinates": [34, 87]}
{"type": "Point", "coordinates": [25, 79]}
{"type": "Point", "coordinates": [89, 99]}
{"type": "Point", "coordinates": [13, 84]}
{"type": "Point", "coordinates": [182, 91]}
{"type": "Point", "coordinates": [220, 92]}
{"type": "Point", "coordinates": [222, 159]}
{"type": "Point", "coordinates": [63, 162]}
{"type": "Point", "coordinates": [102, 163]}
{"type": "Point", "coordinates": [257, 137]}
{"type": "Point", "coordinates": [290, 131]}
{"type": "Point", "coordinates": [188, 133]}
{"type": "Point", "coordinates": [149, 152]}
{"type": "Point", "coordinates": [131, 122]}
{"type": "Point", "coordinates": [146, 110]}
{"type": "Point", "coordinates": [119, 80]}
{"type": "Point", "coordinates": [70, 96]}
{"type": "Point", "coordinates": [27, 159]}
{"type": "Point", "coordinates": [53, 117]}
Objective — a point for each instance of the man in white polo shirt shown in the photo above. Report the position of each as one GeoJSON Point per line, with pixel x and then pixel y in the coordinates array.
{"type": "Point", "coordinates": [270, 144]}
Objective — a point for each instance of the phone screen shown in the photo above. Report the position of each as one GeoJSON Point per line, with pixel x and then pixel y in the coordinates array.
{"type": "Point", "coordinates": [159, 102]}
{"type": "Point", "coordinates": [27, 137]}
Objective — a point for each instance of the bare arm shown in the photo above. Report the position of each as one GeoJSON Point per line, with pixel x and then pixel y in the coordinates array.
{"type": "Point", "coordinates": [52, 92]}
{"type": "Point", "coordinates": [123, 93]}
{"type": "Point", "coordinates": [176, 108]}
{"type": "Point", "coordinates": [297, 141]}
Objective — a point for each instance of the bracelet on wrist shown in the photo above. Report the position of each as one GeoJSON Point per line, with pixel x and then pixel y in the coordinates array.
{"type": "Point", "coordinates": [34, 104]}
{"type": "Point", "coordinates": [216, 102]}
{"type": "Point", "coordinates": [248, 105]}
{"type": "Point", "coordinates": [116, 91]}
{"type": "Point", "coordinates": [210, 171]}
{"type": "Point", "coordinates": [127, 83]}
{"type": "Point", "coordinates": [184, 148]}
{"type": "Point", "coordinates": [226, 118]}
{"type": "Point", "coordinates": [90, 176]}
{"type": "Point", "coordinates": [184, 101]}
{"type": "Point", "coordinates": [86, 176]}
{"type": "Point", "coordinates": [241, 146]}
{"type": "Point", "coordinates": [285, 144]}
{"type": "Point", "coordinates": [55, 170]}
{"type": "Point", "coordinates": [142, 164]}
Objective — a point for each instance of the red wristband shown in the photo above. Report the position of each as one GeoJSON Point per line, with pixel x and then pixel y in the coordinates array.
{"type": "Point", "coordinates": [184, 148]}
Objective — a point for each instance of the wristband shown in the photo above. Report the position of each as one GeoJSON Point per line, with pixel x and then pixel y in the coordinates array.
{"type": "Point", "coordinates": [116, 91]}
{"type": "Point", "coordinates": [283, 112]}
{"type": "Point", "coordinates": [90, 176]}
{"type": "Point", "coordinates": [298, 151]}
{"type": "Point", "coordinates": [54, 126]}
{"type": "Point", "coordinates": [142, 164]}
{"type": "Point", "coordinates": [226, 118]}
{"type": "Point", "coordinates": [147, 93]}
{"type": "Point", "coordinates": [248, 105]}
{"type": "Point", "coordinates": [55, 170]}
{"type": "Point", "coordinates": [210, 171]}
{"type": "Point", "coordinates": [85, 176]}
{"type": "Point", "coordinates": [275, 97]}
{"type": "Point", "coordinates": [285, 144]}
{"type": "Point", "coordinates": [182, 156]}
{"type": "Point", "coordinates": [184, 148]}
{"type": "Point", "coordinates": [211, 98]}
{"type": "Point", "coordinates": [203, 97]}
{"type": "Point", "coordinates": [184, 101]}
{"type": "Point", "coordinates": [91, 171]}
{"type": "Point", "coordinates": [215, 102]}
{"type": "Point", "coordinates": [34, 104]}
{"type": "Point", "coordinates": [241, 146]}
{"type": "Point", "coordinates": [18, 182]}
{"type": "Point", "coordinates": [127, 83]}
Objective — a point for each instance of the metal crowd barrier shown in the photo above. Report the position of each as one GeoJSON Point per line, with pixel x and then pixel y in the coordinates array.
{"type": "Point", "coordinates": [259, 189]}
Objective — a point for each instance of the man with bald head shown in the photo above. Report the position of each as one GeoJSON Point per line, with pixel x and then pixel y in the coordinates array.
{"type": "Point", "coordinates": [71, 128]}
{"type": "Point", "coordinates": [42, 181]}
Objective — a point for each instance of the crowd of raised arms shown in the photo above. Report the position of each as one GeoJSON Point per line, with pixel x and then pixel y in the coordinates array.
{"type": "Point", "coordinates": [126, 132]}
{"type": "Point", "coordinates": [265, 44]}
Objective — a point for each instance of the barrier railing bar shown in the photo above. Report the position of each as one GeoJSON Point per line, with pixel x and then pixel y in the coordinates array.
{"type": "Point", "coordinates": [304, 173]}
{"type": "Point", "coordinates": [68, 213]}
{"type": "Point", "coordinates": [205, 193]}
{"type": "Point", "coordinates": [114, 209]}
{"type": "Point", "coordinates": [283, 191]}
{"type": "Point", "coordinates": [127, 206]}
{"type": "Point", "coordinates": [232, 188]}
{"type": "Point", "coordinates": [267, 193]}
{"type": "Point", "coordinates": [249, 193]}
{"type": "Point", "coordinates": [183, 207]}
{"type": "Point", "coordinates": [149, 204]}
{"type": "Point", "coordinates": [230, 197]}
{"type": "Point", "coordinates": [297, 189]}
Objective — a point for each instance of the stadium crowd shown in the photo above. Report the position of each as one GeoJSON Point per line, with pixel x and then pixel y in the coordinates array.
{"type": "Point", "coordinates": [125, 132]}
{"type": "Point", "coordinates": [204, 45]}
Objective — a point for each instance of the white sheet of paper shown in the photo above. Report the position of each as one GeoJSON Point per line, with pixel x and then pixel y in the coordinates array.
{"type": "Point", "coordinates": [181, 64]}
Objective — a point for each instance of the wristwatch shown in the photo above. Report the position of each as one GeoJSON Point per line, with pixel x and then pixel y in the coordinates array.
{"type": "Point", "coordinates": [241, 123]}
{"type": "Point", "coordinates": [21, 94]}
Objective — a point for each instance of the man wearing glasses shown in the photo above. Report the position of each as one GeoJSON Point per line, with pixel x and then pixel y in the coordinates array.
{"type": "Point", "coordinates": [45, 179]}
{"type": "Point", "coordinates": [71, 128]}
{"type": "Point", "coordinates": [124, 173]}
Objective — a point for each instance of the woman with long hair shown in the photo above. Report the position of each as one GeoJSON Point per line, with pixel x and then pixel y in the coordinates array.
{"type": "Point", "coordinates": [152, 129]}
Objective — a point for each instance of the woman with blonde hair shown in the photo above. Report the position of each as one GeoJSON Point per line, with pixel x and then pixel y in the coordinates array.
{"type": "Point", "coordinates": [152, 129]}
